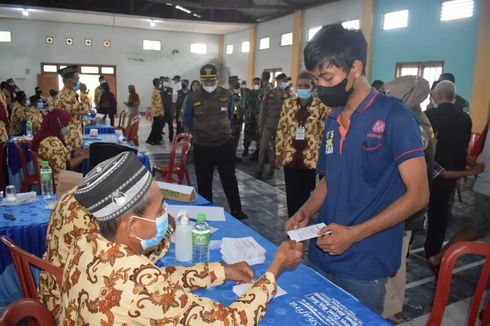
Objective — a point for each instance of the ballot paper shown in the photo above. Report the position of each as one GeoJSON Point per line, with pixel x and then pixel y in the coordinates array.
{"type": "Point", "coordinates": [306, 233]}
{"type": "Point", "coordinates": [234, 250]}
{"type": "Point", "coordinates": [241, 288]}
{"type": "Point", "coordinates": [213, 214]}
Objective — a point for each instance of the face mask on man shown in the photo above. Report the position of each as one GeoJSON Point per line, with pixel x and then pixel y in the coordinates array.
{"type": "Point", "coordinates": [210, 89]}
{"type": "Point", "coordinates": [335, 96]}
{"type": "Point", "coordinates": [284, 85]}
{"type": "Point", "coordinates": [256, 87]}
{"type": "Point", "coordinates": [161, 230]}
{"type": "Point", "coordinates": [76, 87]}
{"type": "Point", "coordinates": [304, 94]}
{"type": "Point", "coordinates": [40, 105]}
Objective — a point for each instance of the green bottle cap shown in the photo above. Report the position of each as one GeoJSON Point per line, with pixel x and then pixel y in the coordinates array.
{"type": "Point", "coordinates": [201, 217]}
{"type": "Point", "coordinates": [45, 164]}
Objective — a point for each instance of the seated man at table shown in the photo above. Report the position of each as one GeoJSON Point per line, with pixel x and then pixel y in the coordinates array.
{"type": "Point", "coordinates": [49, 144]}
{"type": "Point", "coordinates": [107, 279]}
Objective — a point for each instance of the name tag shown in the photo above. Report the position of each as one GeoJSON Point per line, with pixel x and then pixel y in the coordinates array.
{"type": "Point", "coordinates": [300, 133]}
{"type": "Point", "coordinates": [224, 109]}
{"type": "Point", "coordinates": [329, 142]}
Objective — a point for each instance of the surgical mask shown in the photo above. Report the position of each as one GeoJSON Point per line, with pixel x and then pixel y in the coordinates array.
{"type": "Point", "coordinates": [166, 84]}
{"type": "Point", "coordinates": [76, 87]}
{"type": "Point", "coordinates": [243, 86]}
{"type": "Point", "coordinates": [210, 89]}
{"type": "Point", "coordinates": [161, 226]}
{"type": "Point", "coordinates": [40, 105]}
{"type": "Point", "coordinates": [284, 85]}
{"type": "Point", "coordinates": [336, 95]}
{"type": "Point", "coordinates": [304, 94]}
{"type": "Point", "coordinates": [27, 103]}
{"type": "Point", "coordinates": [256, 87]}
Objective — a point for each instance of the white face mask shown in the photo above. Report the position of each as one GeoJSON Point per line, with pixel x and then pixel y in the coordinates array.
{"type": "Point", "coordinates": [256, 87]}
{"type": "Point", "coordinates": [284, 85]}
{"type": "Point", "coordinates": [210, 89]}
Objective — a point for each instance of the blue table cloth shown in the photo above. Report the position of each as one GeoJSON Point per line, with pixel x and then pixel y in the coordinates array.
{"type": "Point", "coordinates": [102, 129]}
{"type": "Point", "coordinates": [28, 231]}
{"type": "Point", "coordinates": [311, 299]}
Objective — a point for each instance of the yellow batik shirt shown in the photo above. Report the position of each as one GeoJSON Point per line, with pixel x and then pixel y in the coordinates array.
{"type": "Point", "coordinates": [68, 221]}
{"type": "Point", "coordinates": [97, 94]}
{"type": "Point", "coordinates": [3, 100]}
{"type": "Point", "coordinates": [35, 116]}
{"type": "Point", "coordinates": [85, 100]}
{"type": "Point", "coordinates": [314, 126]}
{"type": "Point", "coordinates": [51, 149]}
{"type": "Point", "coordinates": [18, 115]}
{"type": "Point", "coordinates": [156, 104]}
{"type": "Point", "coordinates": [67, 99]}
{"type": "Point", "coordinates": [4, 135]}
{"type": "Point", "coordinates": [105, 283]}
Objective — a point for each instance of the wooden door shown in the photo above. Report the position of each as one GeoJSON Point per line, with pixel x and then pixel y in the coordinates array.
{"type": "Point", "coordinates": [111, 80]}
{"type": "Point", "coordinates": [47, 81]}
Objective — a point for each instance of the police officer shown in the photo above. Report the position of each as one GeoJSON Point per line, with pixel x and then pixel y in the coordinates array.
{"type": "Point", "coordinates": [237, 119]}
{"type": "Point", "coordinates": [252, 109]}
{"type": "Point", "coordinates": [207, 114]}
{"type": "Point", "coordinates": [270, 112]}
{"type": "Point", "coordinates": [166, 93]}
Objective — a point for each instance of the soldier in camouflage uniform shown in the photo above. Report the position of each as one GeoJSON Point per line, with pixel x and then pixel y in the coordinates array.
{"type": "Point", "coordinates": [237, 120]}
{"type": "Point", "coordinates": [270, 111]}
{"type": "Point", "coordinates": [252, 109]}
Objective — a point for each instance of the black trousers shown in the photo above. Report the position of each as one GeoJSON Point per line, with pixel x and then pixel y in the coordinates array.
{"type": "Point", "coordinates": [156, 130]}
{"type": "Point", "coordinates": [439, 210]}
{"type": "Point", "coordinates": [299, 185]}
{"type": "Point", "coordinates": [168, 119]}
{"type": "Point", "coordinates": [221, 156]}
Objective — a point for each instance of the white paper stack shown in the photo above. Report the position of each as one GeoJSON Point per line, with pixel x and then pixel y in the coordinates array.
{"type": "Point", "coordinates": [234, 250]}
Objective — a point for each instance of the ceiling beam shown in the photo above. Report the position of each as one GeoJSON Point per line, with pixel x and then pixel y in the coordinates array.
{"type": "Point", "coordinates": [219, 4]}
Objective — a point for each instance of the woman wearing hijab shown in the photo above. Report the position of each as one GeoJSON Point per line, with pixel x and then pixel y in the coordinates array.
{"type": "Point", "coordinates": [108, 103]}
{"type": "Point", "coordinates": [299, 134]}
{"type": "Point", "coordinates": [133, 105]}
{"type": "Point", "coordinates": [50, 146]}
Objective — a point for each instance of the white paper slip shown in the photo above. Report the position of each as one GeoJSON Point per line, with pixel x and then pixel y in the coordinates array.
{"type": "Point", "coordinates": [306, 233]}
{"type": "Point", "coordinates": [213, 214]}
{"type": "Point", "coordinates": [214, 244]}
{"type": "Point", "coordinates": [241, 288]}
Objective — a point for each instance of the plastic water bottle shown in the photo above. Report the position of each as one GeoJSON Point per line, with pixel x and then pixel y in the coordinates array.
{"type": "Point", "coordinates": [46, 176]}
{"type": "Point", "coordinates": [183, 238]}
{"type": "Point", "coordinates": [200, 240]}
{"type": "Point", "coordinates": [29, 128]}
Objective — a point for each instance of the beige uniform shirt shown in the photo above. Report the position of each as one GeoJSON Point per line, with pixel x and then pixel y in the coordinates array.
{"type": "Point", "coordinates": [67, 99]}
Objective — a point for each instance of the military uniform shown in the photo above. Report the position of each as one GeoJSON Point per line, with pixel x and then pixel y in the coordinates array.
{"type": "Point", "coordinates": [270, 112]}
{"type": "Point", "coordinates": [252, 109]}
{"type": "Point", "coordinates": [67, 99]}
{"type": "Point", "coordinates": [237, 119]}
{"type": "Point", "coordinates": [179, 108]}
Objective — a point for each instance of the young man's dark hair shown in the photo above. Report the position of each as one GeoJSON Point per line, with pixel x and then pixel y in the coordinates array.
{"type": "Point", "coordinates": [447, 76]}
{"type": "Point", "coordinates": [156, 82]}
{"type": "Point", "coordinates": [53, 92]}
{"type": "Point", "coordinates": [377, 84]}
{"type": "Point", "coordinates": [101, 78]}
{"type": "Point", "coordinates": [336, 45]}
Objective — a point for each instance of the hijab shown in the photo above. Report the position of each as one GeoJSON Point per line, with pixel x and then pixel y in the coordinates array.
{"type": "Point", "coordinates": [51, 127]}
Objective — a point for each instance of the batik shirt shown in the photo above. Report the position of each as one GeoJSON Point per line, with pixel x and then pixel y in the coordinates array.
{"type": "Point", "coordinates": [85, 100]}
{"type": "Point", "coordinates": [67, 99]}
{"type": "Point", "coordinates": [313, 131]}
{"type": "Point", "coordinates": [35, 116]}
{"type": "Point", "coordinates": [4, 136]}
{"type": "Point", "coordinates": [69, 220]}
{"type": "Point", "coordinates": [156, 104]}
{"type": "Point", "coordinates": [18, 115]}
{"type": "Point", "coordinates": [105, 283]}
{"type": "Point", "coordinates": [51, 149]}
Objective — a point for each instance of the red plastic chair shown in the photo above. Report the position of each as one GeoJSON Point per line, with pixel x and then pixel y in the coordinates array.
{"type": "Point", "coordinates": [444, 282]}
{"type": "Point", "coordinates": [167, 171]}
{"type": "Point", "coordinates": [25, 308]}
{"type": "Point", "coordinates": [28, 180]}
{"type": "Point", "coordinates": [122, 121]}
{"type": "Point", "coordinates": [132, 136]}
{"type": "Point", "coordinates": [22, 263]}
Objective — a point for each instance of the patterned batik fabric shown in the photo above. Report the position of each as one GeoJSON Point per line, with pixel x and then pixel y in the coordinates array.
{"type": "Point", "coordinates": [67, 99]}
{"type": "Point", "coordinates": [68, 221]}
{"type": "Point", "coordinates": [314, 126]}
{"type": "Point", "coordinates": [51, 149]}
{"type": "Point", "coordinates": [106, 283]}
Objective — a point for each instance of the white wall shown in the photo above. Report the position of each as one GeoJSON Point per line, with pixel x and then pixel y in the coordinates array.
{"type": "Point", "coordinates": [280, 57]}
{"type": "Point", "coordinates": [237, 62]}
{"type": "Point", "coordinates": [22, 58]}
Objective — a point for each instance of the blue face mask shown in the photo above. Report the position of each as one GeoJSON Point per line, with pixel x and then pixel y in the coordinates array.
{"type": "Point", "coordinates": [161, 226]}
{"type": "Point", "coordinates": [40, 105]}
{"type": "Point", "coordinates": [76, 87]}
{"type": "Point", "coordinates": [304, 94]}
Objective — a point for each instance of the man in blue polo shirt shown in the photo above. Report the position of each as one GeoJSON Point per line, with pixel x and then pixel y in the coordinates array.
{"type": "Point", "coordinates": [372, 157]}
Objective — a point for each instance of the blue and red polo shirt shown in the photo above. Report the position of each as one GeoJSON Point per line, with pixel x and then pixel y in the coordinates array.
{"type": "Point", "coordinates": [360, 164]}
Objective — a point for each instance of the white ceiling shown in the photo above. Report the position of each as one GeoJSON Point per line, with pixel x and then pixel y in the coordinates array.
{"type": "Point", "coordinates": [117, 20]}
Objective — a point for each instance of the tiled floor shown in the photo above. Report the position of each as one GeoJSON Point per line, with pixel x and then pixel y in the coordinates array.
{"type": "Point", "coordinates": [265, 203]}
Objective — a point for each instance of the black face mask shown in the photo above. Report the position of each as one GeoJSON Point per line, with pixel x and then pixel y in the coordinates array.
{"type": "Point", "coordinates": [336, 95]}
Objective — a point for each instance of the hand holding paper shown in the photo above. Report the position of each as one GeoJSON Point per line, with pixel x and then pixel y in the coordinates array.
{"type": "Point", "coordinates": [308, 232]}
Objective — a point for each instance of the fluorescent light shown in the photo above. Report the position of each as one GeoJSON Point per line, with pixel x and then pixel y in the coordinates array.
{"type": "Point", "coordinates": [196, 15]}
{"type": "Point", "coordinates": [153, 23]}
{"type": "Point", "coordinates": [25, 12]}
{"type": "Point", "coordinates": [183, 9]}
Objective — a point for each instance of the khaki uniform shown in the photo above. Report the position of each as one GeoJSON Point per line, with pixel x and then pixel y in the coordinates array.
{"type": "Point", "coordinates": [69, 220]}
{"type": "Point", "coordinates": [105, 283]}
{"type": "Point", "coordinates": [270, 112]}
{"type": "Point", "coordinates": [67, 99]}
{"type": "Point", "coordinates": [252, 110]}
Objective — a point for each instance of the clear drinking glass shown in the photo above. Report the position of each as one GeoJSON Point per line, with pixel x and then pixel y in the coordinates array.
{"type": "Point", "coordinates": [10, 194]}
